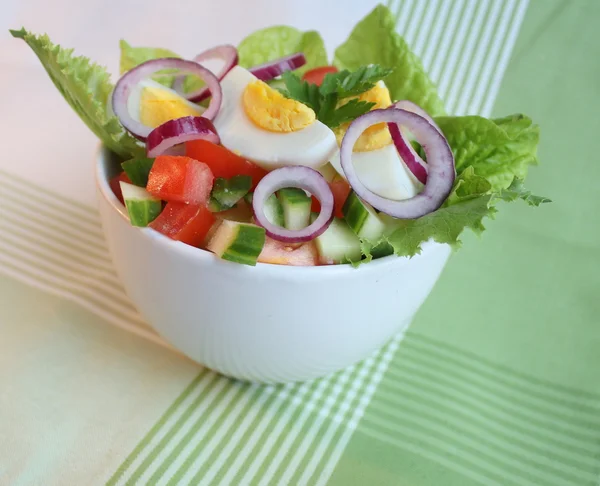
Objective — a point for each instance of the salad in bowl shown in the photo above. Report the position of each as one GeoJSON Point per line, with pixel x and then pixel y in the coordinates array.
{"type": "Point", "coordinates": [239, 190]}
{"type": "Point", "coordinates": [294, 159]}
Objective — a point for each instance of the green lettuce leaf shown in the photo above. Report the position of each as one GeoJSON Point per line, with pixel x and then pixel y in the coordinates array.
{"type": "Point", "coordinates": [375, 41]}
{"type": "Point", "coordinates": [499, 149]}
{"type": "Point", "coordinates": [517, 191]}
{"type": "Point", "coordinates": [134, 56]}
{"type": "Point", "coordinates": [275, 42]}
{"type": "Point", "coordinates": [86, 86]}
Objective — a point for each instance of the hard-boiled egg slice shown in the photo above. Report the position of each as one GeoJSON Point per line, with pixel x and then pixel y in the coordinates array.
{"type": "Point", "coordinates": [153, 104]}
{"type": "Point", "coordinates": [375, 158]}
{"type": "Point", "coordinates": [383, 172]}
{"type": "Point", "coordinates": [263, 126]}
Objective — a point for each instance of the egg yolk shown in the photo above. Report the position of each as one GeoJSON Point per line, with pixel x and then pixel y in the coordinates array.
{"type": "Point", "coordinates": [270, 110]}
{"type": "Point", "coordinates": [376, 136]}
{"type": "Point", "coordinates": [158, 106]}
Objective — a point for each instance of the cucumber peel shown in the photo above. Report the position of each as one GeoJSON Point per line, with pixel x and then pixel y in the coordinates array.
{"type": "Point", "coordinates": [362, 218]}
{"type": "Point", "coordinates": [238, 242]}
{"type": "Point", "coordinates": [296, 208]}
{"type": "Point", "coordinates": [142, 207]}
{"type": "Point", "coordinates": [227, 192]}
{"type": "Point", "coordinates": [338, 244]}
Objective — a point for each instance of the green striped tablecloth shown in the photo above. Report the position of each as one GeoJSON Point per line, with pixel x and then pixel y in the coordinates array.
{"type": "Point", "coordinates": [496, 383]}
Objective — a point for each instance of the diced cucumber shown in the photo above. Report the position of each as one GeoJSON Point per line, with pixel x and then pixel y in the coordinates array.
{"type": "Point", "coordinates": [137, 170]}
{"type": "Point", "coordinates": [362, 218]}
{"type": "Point", "coordinates": [296, 208]}
{"type": "Point", "coordinates": [338, 244]}
{"type": "Point", "coordinates": [249, 198]}
{"type": "Point", "coordinates": [274, 211]}
{"type": "Point", "coordinates": [238, 242]}
{"type": "Point", "coordinates": [142, 207]}
{"type": "Point", "coordinates": [227, 192]}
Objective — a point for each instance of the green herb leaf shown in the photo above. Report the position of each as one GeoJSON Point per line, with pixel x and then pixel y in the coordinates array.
{"type": "Point", "coordinates": [87, 88]}
{"type": "Point", "coordinates": [346, 83]}
{"type": "Point", "coordinates": [375, 41]}
{"type": "Point", "coordinates": [138, 170]}
{"type": "Point", "coordinates": [324, 100]}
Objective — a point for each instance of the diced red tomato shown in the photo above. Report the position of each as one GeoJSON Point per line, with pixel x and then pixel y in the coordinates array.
{"type": "Point", "coordinates": [340, 189]}
{"type": "Point", "coordinates": [281, 254]}
{"type": "Point", "coordinates": [180, 179]}
{"type": "Point", "coordinates": [184, 222]}
{"type": "Point", "coordinates": [115, 185]}
{"type": "Point", "coordinates": [223, 162]}
{"type": "Point", "coordinates": [316, 75]}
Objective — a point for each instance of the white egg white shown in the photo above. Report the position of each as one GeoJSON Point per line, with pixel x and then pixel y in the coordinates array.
{"type": "Point", "coordinates": [312, 146]}
{"type": "Point", "coordinates": [383, 172]}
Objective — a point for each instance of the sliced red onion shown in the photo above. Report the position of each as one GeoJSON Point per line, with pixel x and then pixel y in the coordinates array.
{"type": "Point", "coordinates": [409, 155]}
{"type": "Point", "coordinates": [440, 162]}
{"type": "Point", "coordinates": [226, 52]}
{"type": "Point", "coordinates": [132, 78]}
{"type": "Point", "coordinates": [417, 110]}
{"type": "Point", "coordinates": [178, 131]}
{"type": "Point", "coordinates": [272, 69]}
{"type": "Point", "coordinates": [303, 178]}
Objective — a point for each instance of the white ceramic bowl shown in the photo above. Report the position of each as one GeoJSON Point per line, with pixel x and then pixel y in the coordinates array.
{"type": "Point", "coordinates": [268, 323]}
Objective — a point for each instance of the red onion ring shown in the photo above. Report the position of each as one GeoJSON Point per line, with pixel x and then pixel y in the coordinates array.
{"type": "Point", "coordinates": [133, 77]}
{"type": "Point", "coordinates": [180, 130]}
{"type": "Point", "coordinates": [272, 69]}
{"type": "Point", "coordinates": [440, 164]}
{"type": "Point", "coordinates": [407, 153]}
{"type": "Point", "coordinates": [226, 52]}
{"type": "Point", "coordinates": [417, 110]}
{"type": "Point", "coordinates": [303, 178]}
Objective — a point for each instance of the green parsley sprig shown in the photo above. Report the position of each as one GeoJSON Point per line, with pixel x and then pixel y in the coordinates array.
{"type": "Point", "coordinates": [324, 99]}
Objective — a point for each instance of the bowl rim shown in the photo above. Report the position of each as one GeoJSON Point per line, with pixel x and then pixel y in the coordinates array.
{"type": "Point", "coordinates": [102, 158]}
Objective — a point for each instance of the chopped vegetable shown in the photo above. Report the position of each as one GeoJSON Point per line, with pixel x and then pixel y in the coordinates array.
{"type": "Point", "coordinates": [223, 162]}
{"type": "Point", "coordinates": [338, 244]}
{"type": "Point", "coordinates": [278, 253]}
{"type": "Point", "coordinates": [296, 208]}
{"type": "Point", "coordinates": [115, 185]}
{"type": "Point", "coordinates": [184, 222]}
{"type": "Point", "coordinates": [316, 75]}
{"type": "Point", "coordinates": [238, 242]}
{"type": "Point", "coordinates": [142, 207]}
{"type": "Point", "coordinates": [180, 179]}
{"type": "Point", "coordinates": [272, 69]}
{"type": "Point", "coordinates": [340, 190]}
{"type": "Point", "coordinates": [362, 218]}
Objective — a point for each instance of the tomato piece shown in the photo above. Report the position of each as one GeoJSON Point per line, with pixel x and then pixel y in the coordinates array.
{"type": "Point", "coordinates": [340, 189]}
{"type": "Point", "coordinates": [180, 179]}
{"type": "Point", "coordinates": [279, 253]}
{"type": "Point", "coordinates": [184, 222]}
{"type": "Point", "coordinates": [115, 185]}
{"type": "Point", "coordinates": [317, 75]}
{"type": "Point", "coordinates": [223, 162]}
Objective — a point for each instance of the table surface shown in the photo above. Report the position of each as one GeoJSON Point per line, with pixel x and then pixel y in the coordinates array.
{"type": "Point", "coordinates": [496, 382]}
